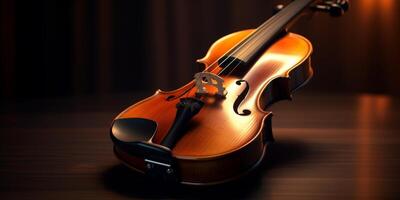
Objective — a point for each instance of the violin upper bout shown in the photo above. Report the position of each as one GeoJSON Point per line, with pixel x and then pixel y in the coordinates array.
{"type": "Point", "coordinates": [223, 45]}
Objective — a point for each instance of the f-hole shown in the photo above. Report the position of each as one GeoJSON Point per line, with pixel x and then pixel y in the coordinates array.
{"type": "Point", "coordinates": [240, 99]}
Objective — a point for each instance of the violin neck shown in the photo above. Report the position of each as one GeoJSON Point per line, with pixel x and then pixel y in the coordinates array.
{"type": "Point", "coordinates": [265, 33]}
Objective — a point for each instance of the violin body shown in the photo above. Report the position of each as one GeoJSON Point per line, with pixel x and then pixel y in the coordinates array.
{"type": "Point", "coordinates": [220, 142]}
{"type": "Point", "coordinates": [217, 127]}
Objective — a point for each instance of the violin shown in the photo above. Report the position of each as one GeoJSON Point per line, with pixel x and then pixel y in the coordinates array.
{"type": "Point", "coordinates": [217, 127]}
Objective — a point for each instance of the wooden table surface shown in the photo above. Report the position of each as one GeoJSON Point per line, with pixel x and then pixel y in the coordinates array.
{"type": "Point", "coordinates": [327, 147]}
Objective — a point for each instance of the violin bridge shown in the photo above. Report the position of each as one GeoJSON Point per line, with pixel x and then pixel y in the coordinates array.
{"type": "Point", "coordinates": [207, 78]}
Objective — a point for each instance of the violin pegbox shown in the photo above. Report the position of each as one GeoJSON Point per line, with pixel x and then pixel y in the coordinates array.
{"type": "Point", "coordinates": [207, 78]}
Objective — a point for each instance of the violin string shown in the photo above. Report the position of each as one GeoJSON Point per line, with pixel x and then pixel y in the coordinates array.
{"type": "Point", "coordinates": [257, 40]}
{"type": "Point", "coordinates": [244, 41]}
{"type": "Point", "coordinates": [259, 31]}
{"type": "Point", "coordinates": [237, 50]}
{"type": "Point", "coordinates": [241, 43]}
{"type": "Point", "coordinates": [250, 49]}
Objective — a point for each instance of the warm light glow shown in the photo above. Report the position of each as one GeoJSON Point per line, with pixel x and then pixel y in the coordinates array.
{"type": "Point", "coordinates": [382, 107]}
{"type": "Point", "coordinates": [385, 5]}
{"type": "Point", "coordinates": [372, 109]}
{"type": "Point", "coordinates": [366, 10]}
{"type": "Point", "coordinates": [377, 5]}
{"type": "Point", "coordinates": [286, 63]}
{"type": "Point", "coordinates": [369, 9]}
{"type": "Point", "coordinates": [365, 113]}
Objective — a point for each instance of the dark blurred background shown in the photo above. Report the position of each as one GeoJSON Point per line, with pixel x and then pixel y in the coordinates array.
{"type": "Point", "coordinates": [103, 47]}
{"type": "Point", "coordinates": [67, 68]}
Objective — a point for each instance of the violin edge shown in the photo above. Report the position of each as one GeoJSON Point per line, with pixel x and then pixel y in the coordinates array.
{"type": "Point", "coordinates": [214, 170]}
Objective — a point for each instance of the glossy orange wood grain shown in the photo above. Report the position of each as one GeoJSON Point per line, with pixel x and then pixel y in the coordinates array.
{"type": "Point", "coordinates": [219, 144]}
{"type": "Point", "coordinates": [217, 129]}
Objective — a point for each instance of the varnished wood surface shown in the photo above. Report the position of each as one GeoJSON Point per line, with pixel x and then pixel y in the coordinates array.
{"type": "Point", "coordinates": [217, 117]}
{"type": "Point", "coordinates": [327, 147]}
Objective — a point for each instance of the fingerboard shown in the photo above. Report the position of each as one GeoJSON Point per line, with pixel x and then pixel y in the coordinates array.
{"type": "Point", "coordinates": [248, 48]}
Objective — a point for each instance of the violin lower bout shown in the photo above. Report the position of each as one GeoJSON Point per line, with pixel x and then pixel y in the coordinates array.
{"type": "Point", "coordinates": [217, 169]}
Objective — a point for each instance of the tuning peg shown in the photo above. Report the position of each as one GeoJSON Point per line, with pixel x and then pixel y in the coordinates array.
{"type": "Point", "coordinates": [278, 8]}
{"type": "Point", "coordinates": [344, 4]}
{"type": "Point", "coordinates": [335, 8]}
